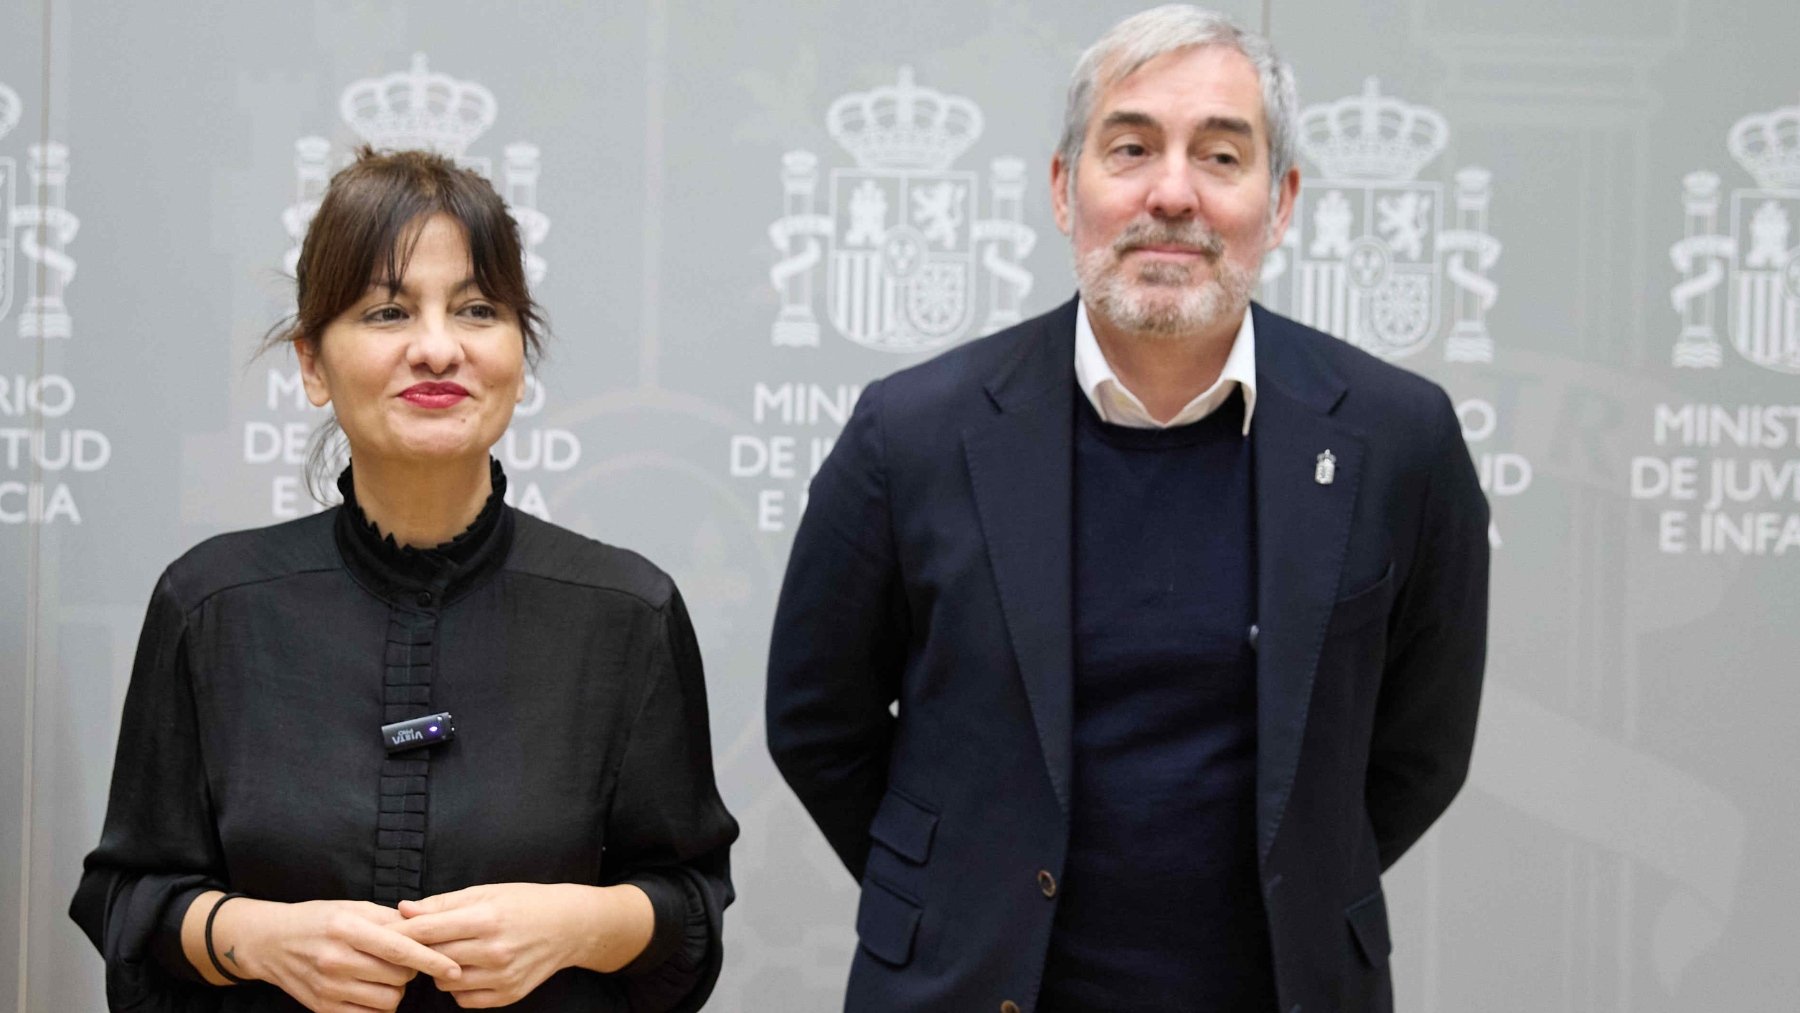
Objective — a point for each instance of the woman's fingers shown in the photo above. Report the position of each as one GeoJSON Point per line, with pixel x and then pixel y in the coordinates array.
{"type": "Point", "coordinates": [439, 902]}
{"type": "Point", "coordinates": [389, 945]}
{"type": "Point", "coordinates": [378, 971]}
{"type": "Point", "coordinates": [446, 926]}
{"type": "Point", "coordinates": [475, 979]}
{"type": "Point", "coordinates": [470, 954]}
{"type": "Point", "coordinates": [361, 995]}
{"type": "Point", "coordinates": [380, 914]}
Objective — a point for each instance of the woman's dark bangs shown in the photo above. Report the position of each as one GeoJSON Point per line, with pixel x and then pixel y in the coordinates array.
{"type": "Point", "coordinates": [486, 252]}
{"type": "Point", "coordinates": [402, 222]}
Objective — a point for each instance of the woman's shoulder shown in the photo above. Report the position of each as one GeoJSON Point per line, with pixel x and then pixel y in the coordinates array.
{"type": "Point", "coordinates": [551, 552]}
{"type": "Point", "coordinates": [252, 556]}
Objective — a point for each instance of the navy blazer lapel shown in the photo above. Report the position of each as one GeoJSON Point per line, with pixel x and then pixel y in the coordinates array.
{"type": "Point", "coordinates": [1302, 534]}
{"type": "Point", "coordinates": [1021, 465]}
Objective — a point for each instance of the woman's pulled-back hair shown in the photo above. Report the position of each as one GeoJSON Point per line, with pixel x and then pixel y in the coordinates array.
{"type": "Point", "coordinates": [363, 234]}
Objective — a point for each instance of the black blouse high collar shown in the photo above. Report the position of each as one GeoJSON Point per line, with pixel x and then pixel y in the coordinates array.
{"type": "Point", "coordinates": [425, 577]}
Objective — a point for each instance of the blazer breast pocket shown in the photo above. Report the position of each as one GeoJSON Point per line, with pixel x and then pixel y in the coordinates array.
{"type": "Point", "coordinates": [1364, 605]}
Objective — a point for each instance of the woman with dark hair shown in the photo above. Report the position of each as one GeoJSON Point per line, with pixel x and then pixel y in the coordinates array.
{"type": "Point", "coordinates": [419, 751]}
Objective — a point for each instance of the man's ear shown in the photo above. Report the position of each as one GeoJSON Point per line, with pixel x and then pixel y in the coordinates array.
{"type": "Point", "coordinates": [1060, 175]}
{"type": "Point", "coordinates": [318, 389]}
{"type": "Point", "coordinates": [1286, 199]}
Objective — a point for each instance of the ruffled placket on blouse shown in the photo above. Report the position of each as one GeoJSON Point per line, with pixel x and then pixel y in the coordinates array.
{"type": "Point", "coordinates": [405, 778]}
{"type": "Point", "coordinates": [417, 584]}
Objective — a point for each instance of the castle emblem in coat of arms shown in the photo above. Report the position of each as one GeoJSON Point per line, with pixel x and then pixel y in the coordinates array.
{"type": "Point", "coordinates": [1757, 262]}
{"type": "Point", "coordinates": [1368, 254]}
{"type": "Point", "coordinates": [903, 247]}
{"type": "Point", "coordinates": [421, 108]}
{"type": "Point", "coordinates": [44, 229]}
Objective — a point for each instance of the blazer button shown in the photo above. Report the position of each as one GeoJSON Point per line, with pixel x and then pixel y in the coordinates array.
{"type": "Point", "coordinates": [425, 598]}
{"type": "Point", "coordinates": [1046, 882]}
{"type": "Point", "coordinates": [1009, 1007]}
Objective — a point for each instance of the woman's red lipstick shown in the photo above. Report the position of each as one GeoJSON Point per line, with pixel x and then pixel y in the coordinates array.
{"type": "Point", "coordinates": [434, 394]}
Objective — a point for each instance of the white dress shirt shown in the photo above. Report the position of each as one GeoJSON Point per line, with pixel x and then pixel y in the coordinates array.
{"type": "Point", "coordinates": [1121, 407]}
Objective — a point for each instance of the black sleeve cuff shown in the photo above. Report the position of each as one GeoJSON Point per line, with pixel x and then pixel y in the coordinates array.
{"type": "Point", "coordinates": [679, 918]}
{"type": "Point", "coordinates": [165, 942]}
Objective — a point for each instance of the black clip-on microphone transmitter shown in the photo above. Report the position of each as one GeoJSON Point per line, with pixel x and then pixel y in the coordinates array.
{"type": "Point", "coordinates": [429, 730]}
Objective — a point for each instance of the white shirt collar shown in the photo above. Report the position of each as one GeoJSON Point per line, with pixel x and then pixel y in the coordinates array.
{"type": "Point", "coordinates": [1121, 407]}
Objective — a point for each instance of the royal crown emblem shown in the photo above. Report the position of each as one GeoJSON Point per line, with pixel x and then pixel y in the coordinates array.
{"type": "Point", "coordinates": [44, 229]}
{"type": "Point", "coordinates": [1758, 261]}
{"type": "Point", "coordinates": [1367, 253]}
{"type": "Point", "coordinates": [416, 108]}
{"type": "Point", "coordinates": [902, 244]}
{"type": "Point", "coordinates": [419, 108]}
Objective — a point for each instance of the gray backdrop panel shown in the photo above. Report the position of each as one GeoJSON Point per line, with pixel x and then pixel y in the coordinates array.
{"type": "Point", "coordinates": [1621, 336]}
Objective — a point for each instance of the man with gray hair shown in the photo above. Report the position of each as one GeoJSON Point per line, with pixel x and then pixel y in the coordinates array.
{"type": "Point", "coordinates": [1121, 651]}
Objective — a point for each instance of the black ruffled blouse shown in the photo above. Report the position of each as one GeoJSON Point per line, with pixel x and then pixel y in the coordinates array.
{"type": "Point", "coordinates": [250, 756]}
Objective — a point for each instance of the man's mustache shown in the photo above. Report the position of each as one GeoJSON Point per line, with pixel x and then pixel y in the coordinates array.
{"type": "Point", "coordinates": [1193, 235]}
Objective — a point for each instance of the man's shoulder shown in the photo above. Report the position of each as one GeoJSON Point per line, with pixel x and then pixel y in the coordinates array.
{"type": "Point", "coordinates": [961, 375]}
{"type": "Point", "coordinates": [1377, 392]}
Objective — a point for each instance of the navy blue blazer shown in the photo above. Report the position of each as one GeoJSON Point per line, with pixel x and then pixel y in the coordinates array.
{"type": "Point", "coordinates": [932, 569]}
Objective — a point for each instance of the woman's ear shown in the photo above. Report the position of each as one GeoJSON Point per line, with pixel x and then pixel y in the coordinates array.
{"type": "Point", "coordinates": [318, 388]}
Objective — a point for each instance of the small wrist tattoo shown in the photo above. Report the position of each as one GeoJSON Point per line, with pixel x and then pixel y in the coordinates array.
{"type": "Point", "coordinates": [213, 954]}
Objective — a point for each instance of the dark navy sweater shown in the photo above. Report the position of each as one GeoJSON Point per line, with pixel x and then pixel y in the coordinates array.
{"type": "Point", "coordinates": [1158, 907]}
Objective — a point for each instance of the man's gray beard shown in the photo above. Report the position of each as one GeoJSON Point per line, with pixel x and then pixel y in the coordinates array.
{"type": "Point", "coordinates": [1161, 301]}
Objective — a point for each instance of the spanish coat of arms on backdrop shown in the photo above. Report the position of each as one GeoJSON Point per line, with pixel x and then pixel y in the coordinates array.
{"type": "Point", "coordinates": [1368, 256]}
{"type": "Point", "coordinates": [903, 248]}
{"type": "Point", "coordinates": [1757, 262]}
{"type": "Point", "coordinates": [45, 228]}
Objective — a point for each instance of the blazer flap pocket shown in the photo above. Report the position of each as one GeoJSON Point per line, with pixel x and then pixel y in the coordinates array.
{"type": "Point", "coordinates": [1368, 922]}
{"type": "Point", "coordinates": [1364, 604]}
{"type": "Point", "coordinates": [905, 827]}
{"type": "Point", "coordinates": [886, 923]}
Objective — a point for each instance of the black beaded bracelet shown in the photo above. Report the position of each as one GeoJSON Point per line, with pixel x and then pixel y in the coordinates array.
{"type": "Point", "coordinates": [210, 915]}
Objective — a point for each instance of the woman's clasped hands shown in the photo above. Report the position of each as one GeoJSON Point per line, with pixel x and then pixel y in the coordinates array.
{"type": "Point", "coordinates": [332, 956]}
{"type": "Point", "coordinates": [486, 946]}
{"type": "Point", "coordinates": [505, 939]}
